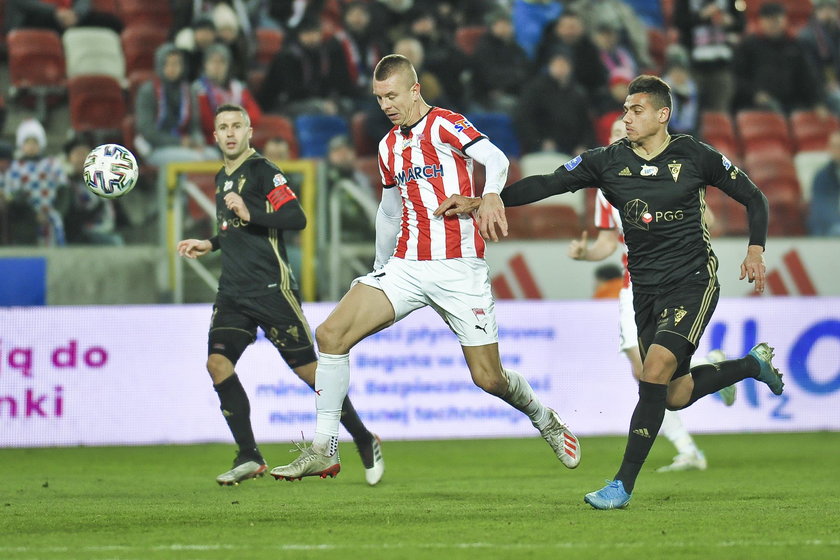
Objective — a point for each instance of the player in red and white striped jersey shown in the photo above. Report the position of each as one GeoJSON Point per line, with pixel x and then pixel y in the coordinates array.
{"type": "Point", "coordinates": [423, 259]}
{"type": "Point", "coordinates": [611, 237]}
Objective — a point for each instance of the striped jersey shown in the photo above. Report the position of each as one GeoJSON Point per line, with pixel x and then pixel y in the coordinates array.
{"type": "Point", "coordinates": [607, 217]}
{"type": "Point", "coordinates": [428, 163]}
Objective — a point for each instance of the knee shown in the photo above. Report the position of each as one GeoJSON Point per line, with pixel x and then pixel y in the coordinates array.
{"type": "Point", "coordinates": [330, 340]}
{"type": "Point", "coordinates": [219, 368]}
{"type": "Point", "coordinates": [492, 382]}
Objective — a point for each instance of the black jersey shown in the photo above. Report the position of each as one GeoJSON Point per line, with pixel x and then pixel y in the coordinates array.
{"type": "Point", "coordinates": [661, 200]}
{"type": "Point", "coordinates": [253, 253]}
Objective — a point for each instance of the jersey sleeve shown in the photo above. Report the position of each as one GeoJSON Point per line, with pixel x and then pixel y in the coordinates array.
{"type": "Point", "coordinates": [579, 172]}
{"type": "Point", "coordinates": [719, 172]}
{"type": "Point", "coordinates": [458, 132]}
{"type": "Point", "coordinates": [283, 210]}
{"type": "Point", "coordinates": [385, 173]}
{"type": "Point", "coordinates": [603, 212]}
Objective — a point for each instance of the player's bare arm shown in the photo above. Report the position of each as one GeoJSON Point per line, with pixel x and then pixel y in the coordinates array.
{"type": "Point", "coordinates": [753, 268]}
{"type": "Point", "coordinates": [194, 248]}
{"type": "Point", "coordinates": [236, 205]}
{"type": "Point", "coordinates": [458, 204]}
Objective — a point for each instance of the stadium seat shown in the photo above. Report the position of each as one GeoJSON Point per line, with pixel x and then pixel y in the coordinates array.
{"type": "Point", "coordinates": [770, 163]}
{"type": "Point", "coordinates": [139, 43]}
{"type": "Point", "coordinates": [546, 221]}
{"type": "Point", "coordinates": [546, 162]}
{"type": "Point", "coordinates": [107, 7]}
{"type": "Point", "coordinates": [273, 126]}
{"type": "Point", "coordinates": [730, 215]}
{"type": "Point", "coordinates": [717, 130]}
{"type": "Point", "coordinates": [97, 103]}
{"type": "Point", "coordinates": [315, 131]}
{"type": "Point", "coordinates": [155, 12]}
{"type": "Point", "coordinates": [269, 43]}
{"type": "Point", "coordinates": [466, 38]}
{"type": "Point", "coordinates": [763, 129]}
{"type": "Point", "coordinates": [498, 127]}
{"type": "Point", "coordinates": [94, 51]}
{"type": "Point", "coordinates": [363, 143]}
{"type": "Point", "coordinates": [811, 131]}
{"type": "Point", "coordinates": [807, 165]}
{"type": "Point", "coordinates": [36, 66]}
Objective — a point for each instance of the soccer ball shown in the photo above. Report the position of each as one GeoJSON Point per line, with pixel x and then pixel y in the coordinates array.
{"type": "Point", "coordinates": [110, 171]}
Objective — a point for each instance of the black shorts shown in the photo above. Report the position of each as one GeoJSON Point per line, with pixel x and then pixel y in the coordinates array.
{"type": "Point", "coordinates": [234, 323]}
{"type": "Point", "coordinates": [676, 319]}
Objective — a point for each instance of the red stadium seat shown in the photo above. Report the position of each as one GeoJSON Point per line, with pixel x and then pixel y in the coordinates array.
{"type": "Point", "coordinates": [36, 58]}
{"type": "Point", "coordinates": [730, 215]}
{"type": "Point", "coordinates": [763, 129]}
{"type": "Point", "coordinates": [269, 43]}
{"type": "Point", "coordinates": [717, 130]}
{"type": "Point", "coordinates": [107, 7]}
{"type": "Point", "coordinates": [466, 38]}
{"type": "Point", "coordinates": [811, 131]}
{"type": "Point", "coordinates": [36, 68]}
{"type": "Point", "coordinates": [274, 126]}
{"type": "Point", "coordinates": [769, 164]}
{"type": "Point", "coordinates": [139, 43]}
{"type": "Point", "coordinates": [97, 103]}
{"type": "Point", "coordinates": [362, 142]}
{"type": "Point", "coordinates": [155, 12]}
{"type": "Point", "coordinates": [543, 221]}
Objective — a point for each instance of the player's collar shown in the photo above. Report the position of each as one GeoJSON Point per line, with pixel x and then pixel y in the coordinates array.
{"type": "Point", "coordinates": [642, 154]}
{"type": "Point", "coordinates": [406, 130]}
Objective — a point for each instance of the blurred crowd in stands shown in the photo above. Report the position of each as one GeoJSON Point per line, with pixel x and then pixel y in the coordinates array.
{"type": "Point", "coordinates": [757, 79]}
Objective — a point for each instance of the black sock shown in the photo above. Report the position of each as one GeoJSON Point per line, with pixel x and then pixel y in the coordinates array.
{"type": "Point", "coordinates": [237, 412]}
{"type": "Point", "coordinates": [711, 378]}
{"type": "Point", "coordinates": [644, 425]}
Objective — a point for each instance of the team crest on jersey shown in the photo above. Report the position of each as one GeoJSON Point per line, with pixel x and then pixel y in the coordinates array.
{"type": "Point", "coordinates": [241, 184]}
{"type": "Point", "coordinates": [572, 163]}
{"type": "Point", "coordinates": [726, 163]}
{"type": "Point", "coordinates": [637, 214]}
{"type": "Point", "coordinates": [278, 180]}
{"type": "Point", "coordinates": [228, 185]}
{"type": "Point", "coordinates": [649, 171]}
{"type": "Point", "coordinates": [674, 168]}
{"type": "Point", "coordinates": [462, 124]}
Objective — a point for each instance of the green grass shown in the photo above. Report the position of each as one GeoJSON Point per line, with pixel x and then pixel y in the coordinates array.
{"type": "Point", "coordinates": [763, 496]}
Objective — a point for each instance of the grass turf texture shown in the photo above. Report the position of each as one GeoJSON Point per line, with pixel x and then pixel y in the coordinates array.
{"type": "Point", "coordinates": [764, 496]}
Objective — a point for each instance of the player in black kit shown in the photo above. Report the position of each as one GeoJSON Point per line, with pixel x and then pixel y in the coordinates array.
{"type": "Point", "coordinates": [658, 183]}
{"type": "Point", "coordinates": [254, 205]}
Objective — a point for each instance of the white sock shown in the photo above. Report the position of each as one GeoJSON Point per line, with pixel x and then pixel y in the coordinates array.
{"type": "Point", "coordinates": [521, 396]}
{"type": "Point", "coordinates": [674, 430]}
{"type": "Point", "coordinates": [332, 381]}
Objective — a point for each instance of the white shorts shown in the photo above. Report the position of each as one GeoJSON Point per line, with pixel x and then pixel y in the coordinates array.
{"type": "Point", "coordinates": [458, 289]}
{"type": "Point", "coordinates": [628, 336]}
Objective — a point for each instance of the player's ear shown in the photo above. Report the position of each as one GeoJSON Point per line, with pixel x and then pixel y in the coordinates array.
{"type": "Point", "coordinates": [664, 114]}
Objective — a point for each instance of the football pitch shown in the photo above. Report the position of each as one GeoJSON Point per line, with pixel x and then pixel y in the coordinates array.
{"type": "Point", "coordinates": [763, 496]}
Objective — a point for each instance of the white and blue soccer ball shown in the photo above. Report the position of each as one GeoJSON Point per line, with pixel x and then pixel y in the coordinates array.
{"type": "Point", "coordinates": [111, 171]}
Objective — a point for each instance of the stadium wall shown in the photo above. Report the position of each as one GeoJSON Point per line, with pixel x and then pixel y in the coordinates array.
{"type": "Point", "coordinates": [114, 375]}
